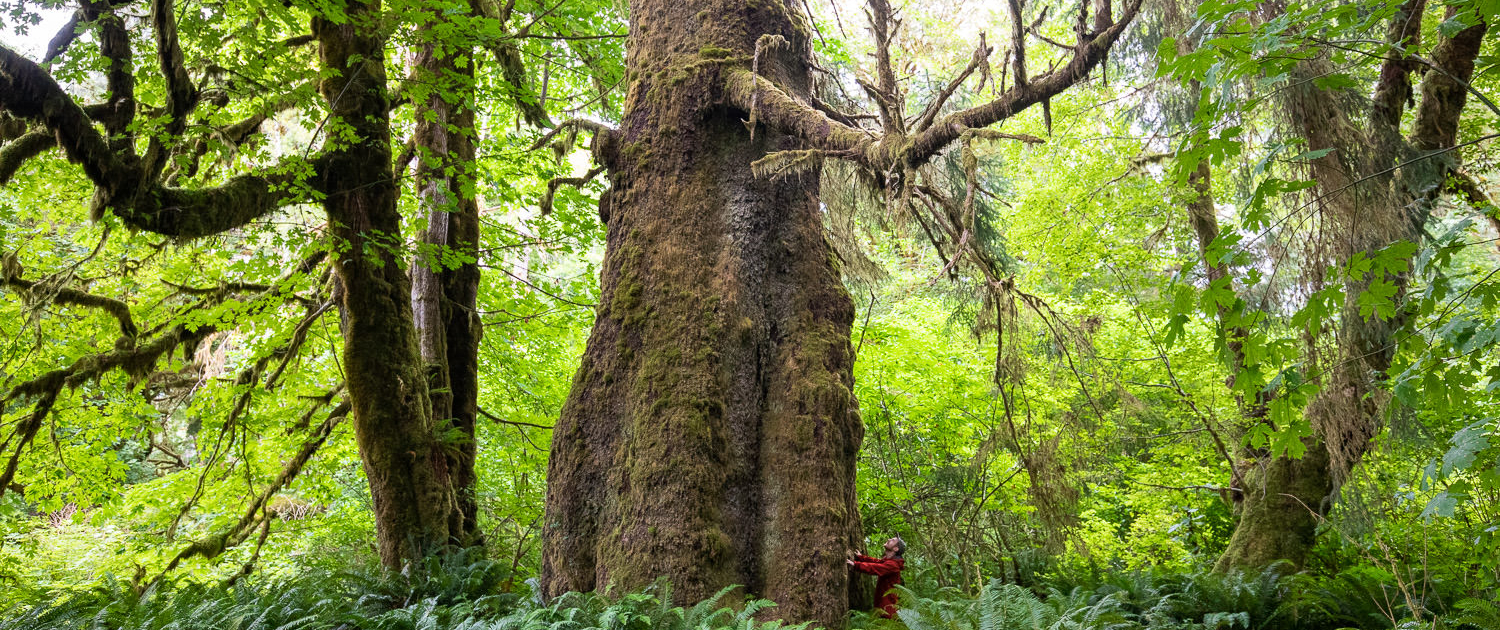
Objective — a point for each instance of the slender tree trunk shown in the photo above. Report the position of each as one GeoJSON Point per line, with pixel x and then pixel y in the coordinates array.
{"type": "Point", "coordinates": [711, 433]}
{"type": "Point", "coordinates": [409, 476]}
{"type": "Point", "coordinates": [445, 276]}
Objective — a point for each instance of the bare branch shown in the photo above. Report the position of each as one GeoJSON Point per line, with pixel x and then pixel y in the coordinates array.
{"type": "Point", "coordinates": [1025, 93]}
{"type": "Point", "coordinates": [936, 106]}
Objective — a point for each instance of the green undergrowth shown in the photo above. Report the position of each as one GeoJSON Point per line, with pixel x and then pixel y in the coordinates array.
{"type": "Point", "coordinates": [477, 595]}
{"type": "Point", "coordinates": [1202, 600]}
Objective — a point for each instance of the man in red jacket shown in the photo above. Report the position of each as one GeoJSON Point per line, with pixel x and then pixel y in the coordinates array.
{"type": "Point", "coordinates": [887, 570]}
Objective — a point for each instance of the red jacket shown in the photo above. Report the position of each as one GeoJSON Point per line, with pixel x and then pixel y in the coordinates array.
{"type": "Point", "coordinates": [888, 575]}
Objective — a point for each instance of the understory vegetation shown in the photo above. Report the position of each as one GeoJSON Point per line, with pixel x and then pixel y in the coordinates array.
{"type": "Point", "coordinates": [594, 314]}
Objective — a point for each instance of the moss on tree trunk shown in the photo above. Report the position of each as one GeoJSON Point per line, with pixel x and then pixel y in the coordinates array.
{"type": "Point", "coordinates": [711, 433]}
{"type": "Point", "coordinates": [409, 477]}
{"type": "Point", "coordinates": [1283, 500]}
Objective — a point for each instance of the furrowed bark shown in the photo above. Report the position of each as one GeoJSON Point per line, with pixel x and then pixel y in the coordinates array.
{"type": "Point", "coordinates": [711, 433]}
{"type": "Point", "coordinates": [410, 482]}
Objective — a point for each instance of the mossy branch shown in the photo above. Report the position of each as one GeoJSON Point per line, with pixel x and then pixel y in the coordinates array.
{"type": "Point", "coordinates": [557, 182]}
{"type": "Point", "coordinates": [29, 92]}
{"type": "Point", "coordinates": [28, 146]}
{"type": "Point", "coordinates": [75, 297]}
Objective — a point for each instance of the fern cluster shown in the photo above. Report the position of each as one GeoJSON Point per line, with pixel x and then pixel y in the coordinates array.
{"type": "Point", "coordinates": [456, 594]}
{"type": "Point", "coordinates": [1188, 601]}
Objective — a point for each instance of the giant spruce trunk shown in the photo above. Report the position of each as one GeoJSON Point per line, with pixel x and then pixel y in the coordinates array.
{"type": "Point", "coordinates": [409, 477]}
{"type": "Point", "coordinates": [711, 433]}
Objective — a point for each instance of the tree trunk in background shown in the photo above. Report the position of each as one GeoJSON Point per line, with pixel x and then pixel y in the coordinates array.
{"type": "Point", "coordinates": [409, 477]}
{"type": "Point", "coordinates": [711, 433]}
{"type": "Point", "coordinates": [445, 274]}
{"type": "Point", "coordinates": [1370, 205]}
{"type": "Point", "coordinates": [1281, 502]}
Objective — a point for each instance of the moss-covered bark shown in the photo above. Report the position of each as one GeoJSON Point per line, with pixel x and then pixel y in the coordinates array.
{"type": "Point", "coordinates": [1283, 500]}
{"type": "Point", "coordinates": [712, 431]}
{"type": "Point", "coordinates": [398, 441]}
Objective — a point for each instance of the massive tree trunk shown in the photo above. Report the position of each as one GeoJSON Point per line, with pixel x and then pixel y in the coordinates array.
{"type": "Point", "coordinates": [712, 430]}
{"type": "Point", "coordinates": [409, 476]}
{"type": "Point", "coordinates": [445, 274]}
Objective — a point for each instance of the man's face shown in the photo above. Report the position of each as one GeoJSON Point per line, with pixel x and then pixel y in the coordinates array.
{"type": "Point", "coordinates": [891, 546]}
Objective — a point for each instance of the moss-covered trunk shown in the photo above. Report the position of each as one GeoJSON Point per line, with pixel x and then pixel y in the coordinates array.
{"type": "Point", "coordinates": [1282, 501]}
{"type": "Point", "coordinates": [445, 275]}
{"type": "Point", "coordinates": [403, 459]}
{"type": "Point", "coordinates": [711, 433]}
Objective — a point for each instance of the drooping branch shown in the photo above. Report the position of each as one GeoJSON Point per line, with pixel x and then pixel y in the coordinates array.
{"type": "Point", "coordinates": [76, 297]}
{"type": "Point", "coordinates": [511, 67]}
{"type": "Point", "coordinates": [211, 546]}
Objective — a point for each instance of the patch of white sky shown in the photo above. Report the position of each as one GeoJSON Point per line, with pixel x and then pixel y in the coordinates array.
{"type": "Point", "coordinates": [30, 34]}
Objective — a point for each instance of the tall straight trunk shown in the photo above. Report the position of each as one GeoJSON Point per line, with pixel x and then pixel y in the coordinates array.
{"type": "Point", "coordinates": [711, 433]}
{"type": "Point", "coordinates": [403, 459]}
{"type": "Point", "coordinates": [445, 275]}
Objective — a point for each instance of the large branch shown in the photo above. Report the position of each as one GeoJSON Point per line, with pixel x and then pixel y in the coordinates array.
{"type": "Point", "coordinates": [1021, 96]}
{"type": "Point", "coordinates": [781, 111]}
{"type": "Point", "coordinates": [28, 91]}
{"type": "Point", "coordinates": [1394, 87]}
{"type": "Point", "coordinates": [182, 95]}
{"type": "Point", "coordinates": [511, 67]}
{"type": "Point", "coordinates": [114, 46]}
{"type": "Point", "coordinates": [28, 146]}
{"type": "Point", "coordinates": [188, 213]}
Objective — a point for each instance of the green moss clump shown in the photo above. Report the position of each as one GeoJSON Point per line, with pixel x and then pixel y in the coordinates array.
{"type": "Point", "coordinates": [715, 52]}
